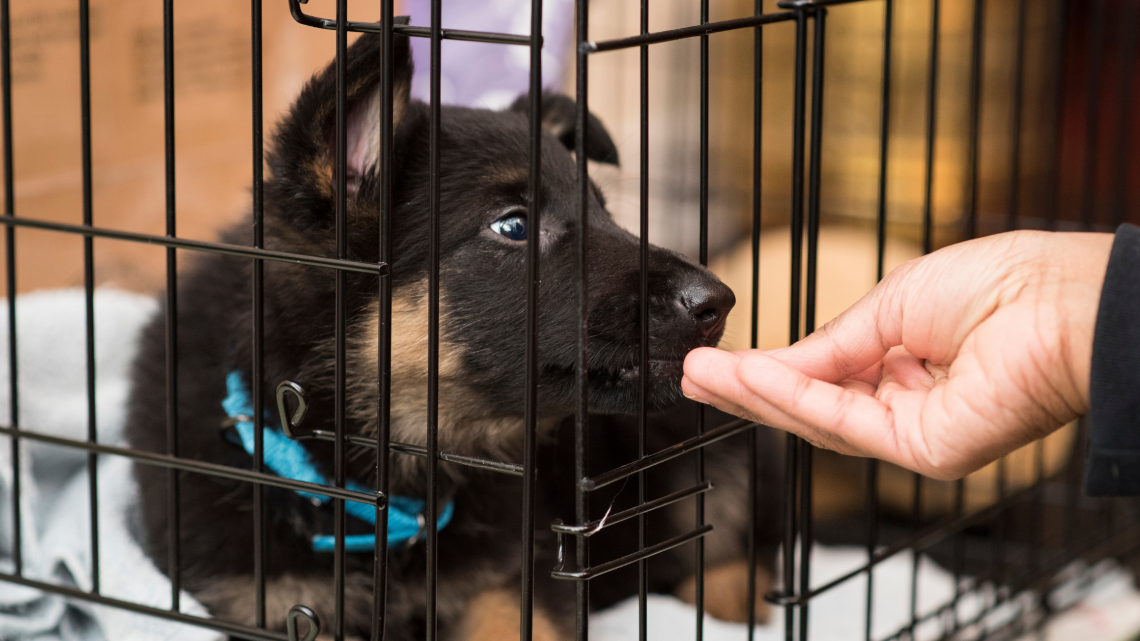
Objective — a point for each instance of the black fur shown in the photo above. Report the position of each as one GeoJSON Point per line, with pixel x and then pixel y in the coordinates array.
{"type": "Point", "coordinates": [484, 158]}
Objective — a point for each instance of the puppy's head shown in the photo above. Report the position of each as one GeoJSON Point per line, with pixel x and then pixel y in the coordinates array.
{"type": "Point", "coordinates": [485, 219]}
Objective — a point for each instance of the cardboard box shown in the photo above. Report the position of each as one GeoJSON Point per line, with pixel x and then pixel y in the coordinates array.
{"type": "Point", "coordinates": [213, 130]}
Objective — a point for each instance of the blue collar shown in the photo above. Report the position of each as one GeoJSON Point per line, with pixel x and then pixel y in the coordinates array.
{"type": "Point", "coordinates": [289, 459]}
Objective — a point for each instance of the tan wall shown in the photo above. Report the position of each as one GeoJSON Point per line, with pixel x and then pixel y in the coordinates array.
{"type": "Point", "coordinates": [212, 124]}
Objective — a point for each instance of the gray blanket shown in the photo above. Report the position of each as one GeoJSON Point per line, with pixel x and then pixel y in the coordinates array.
{"type": "Point", "coordinates": [54, 507]}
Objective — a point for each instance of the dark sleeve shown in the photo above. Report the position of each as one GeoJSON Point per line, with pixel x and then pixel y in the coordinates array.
{"type": "Point", "coordinates": [1113, 464]}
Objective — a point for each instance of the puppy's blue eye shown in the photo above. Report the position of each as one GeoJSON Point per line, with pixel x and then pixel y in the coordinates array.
{"type": "Point", "coordinates": [510, 227]}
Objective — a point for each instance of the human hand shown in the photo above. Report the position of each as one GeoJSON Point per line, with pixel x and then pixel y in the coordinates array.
{"type": "Point", "coordinates": [952, 361]}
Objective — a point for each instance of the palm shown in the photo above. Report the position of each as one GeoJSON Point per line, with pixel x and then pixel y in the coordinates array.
{"type": "Point", "coordinates": [959, 402]}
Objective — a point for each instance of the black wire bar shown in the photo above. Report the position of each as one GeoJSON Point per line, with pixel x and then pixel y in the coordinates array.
{"type": "Point", "coordinates": [667, 454]}
{"type": "Point", "coordinates": [884, 141]}
{"type": "Point", "coordinates": [513, 469]}
{"type": "Point", "coordinates": [173, 496]}
{"type": "Point", "coordinates": [341, 313]}
{"type": "Point", "coordinates": [172, 242]}
{"type": "Point", "coordinates": [977, 53]}
{"type": "Point", "coordinates": [806, 536]}
{"type": "Point", "coordinates": [977, 35]}
{"type": "Point", "coordinates": [1052, 183]}
{"type": "Point", "coordinates": [89, 281]}
{"type": "Point", "coordinates": [812, 4]}
{"type": "Point", "coordinates": [931, 131]}
{"type": "Point", "coordinates": [1129, 35]}
{"type": "Point", "coordinates": [872, 472]}
{"type": "Point", "coordinates": [533, 254]}
{"type": "Point", "coordinates": [10, 282]}
{"type": "Point", "coordinates": [702, 29]}
{"type": "Point", "coordinates": [1013, 205]}
{"type": "Point", "coordinates": [643, 322]}
{"type": "Point", "coordinates": [1037, 544]}
{"type": "Point", "coordinates": [258, 304]}
{"type": "Point", "coordinates": [407, 30]}
{"type": "Point", "coordinates": [582, 294]}
{"type": "Point", "coordinates": [1094, 54]}
{"type": "Point", "coordinates": [792, 455]}
{"type": "Point", "coordinates": [200, 467]}
{"type": "Point", "coordinates": [754, 327]}
{"type": "Point", "coordinates": [234, 629]}
{"type": "Point", "coordinates": [998, 550]}
{"type": "Point", "coordinates": [384, 339]}
{"type": "Point", "coordinates": [703, 256]}
{"type": "Point", "coordinates": [431, 512]}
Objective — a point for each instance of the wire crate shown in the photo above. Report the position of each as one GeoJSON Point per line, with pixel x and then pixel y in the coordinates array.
{"type": "Point", "coordinates": [1018, 555]}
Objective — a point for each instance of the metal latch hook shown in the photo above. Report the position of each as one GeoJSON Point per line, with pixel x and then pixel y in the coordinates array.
{"type": "Point", "coordinates": [302, 612]}
{"type": "Point", "coordinates": [289, 424]}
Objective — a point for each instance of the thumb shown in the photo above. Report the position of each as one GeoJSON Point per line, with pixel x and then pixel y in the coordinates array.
{"type": "Point", "coordinates": [853, 341]}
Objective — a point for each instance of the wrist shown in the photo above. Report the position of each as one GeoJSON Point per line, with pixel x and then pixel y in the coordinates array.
{"type": "Point", "coordinates": [1077, 263]}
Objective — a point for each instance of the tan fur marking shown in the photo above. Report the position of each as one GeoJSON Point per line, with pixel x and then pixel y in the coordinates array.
{"type": "Point", "coordinates": [466, 424]}
{"type": "Point", "coordinates": [508, 174]}
{"type": "Point", "coordinates": [494, 616]}
{"type": "Point", "coordinates": [553, 123]}
{"type": "Point", "coordinates": [322, 169]}
{"type": "Point", "coordinates": [726, 592]}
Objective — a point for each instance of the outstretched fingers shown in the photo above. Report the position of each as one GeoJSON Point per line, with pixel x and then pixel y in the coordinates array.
{"type": "Point", "coordinates": [710, 377]}
{"type": "Point", "coordinates": [850, 418]}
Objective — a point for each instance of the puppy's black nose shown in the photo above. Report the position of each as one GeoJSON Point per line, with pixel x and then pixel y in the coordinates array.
{"type": "Point", "coordinates": [708, 301]}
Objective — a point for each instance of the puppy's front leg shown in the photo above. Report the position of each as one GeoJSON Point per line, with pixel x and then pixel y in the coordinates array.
{"type": "Point", "coordinates": [493, 615]}
{"type": "Point", "coordinates": [726, 592]}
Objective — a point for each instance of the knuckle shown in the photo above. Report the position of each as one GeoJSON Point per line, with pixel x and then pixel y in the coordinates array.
{"type": "Point", "coordinates": [800, 392]}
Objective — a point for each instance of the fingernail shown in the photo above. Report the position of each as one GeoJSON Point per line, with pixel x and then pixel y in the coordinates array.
{"type": "Point", "coordinates": [685, 382]}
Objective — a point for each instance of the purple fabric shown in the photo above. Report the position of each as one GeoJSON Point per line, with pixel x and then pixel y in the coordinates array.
{"type": "Point", "coordinates": [477, 74]}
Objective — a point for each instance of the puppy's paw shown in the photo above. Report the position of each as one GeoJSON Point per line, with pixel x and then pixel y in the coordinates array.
{"type": "Point", "coordinates": [494, 616]}
{"type": "Point", "coordinates": [726, 592]}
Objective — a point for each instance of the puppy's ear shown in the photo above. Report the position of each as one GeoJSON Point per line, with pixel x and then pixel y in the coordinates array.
{"type": "Point", "coordinates": [304, 153]}
{"type": "Point", "coordinates": [559, 117]}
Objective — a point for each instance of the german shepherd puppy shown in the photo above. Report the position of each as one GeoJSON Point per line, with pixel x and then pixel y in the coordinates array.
{"type": "Point", "coordinates": [484, 159]}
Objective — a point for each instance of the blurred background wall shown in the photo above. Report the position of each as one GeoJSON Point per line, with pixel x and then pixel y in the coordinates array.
{"type": "Point", "coordinates": [851, 126]}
